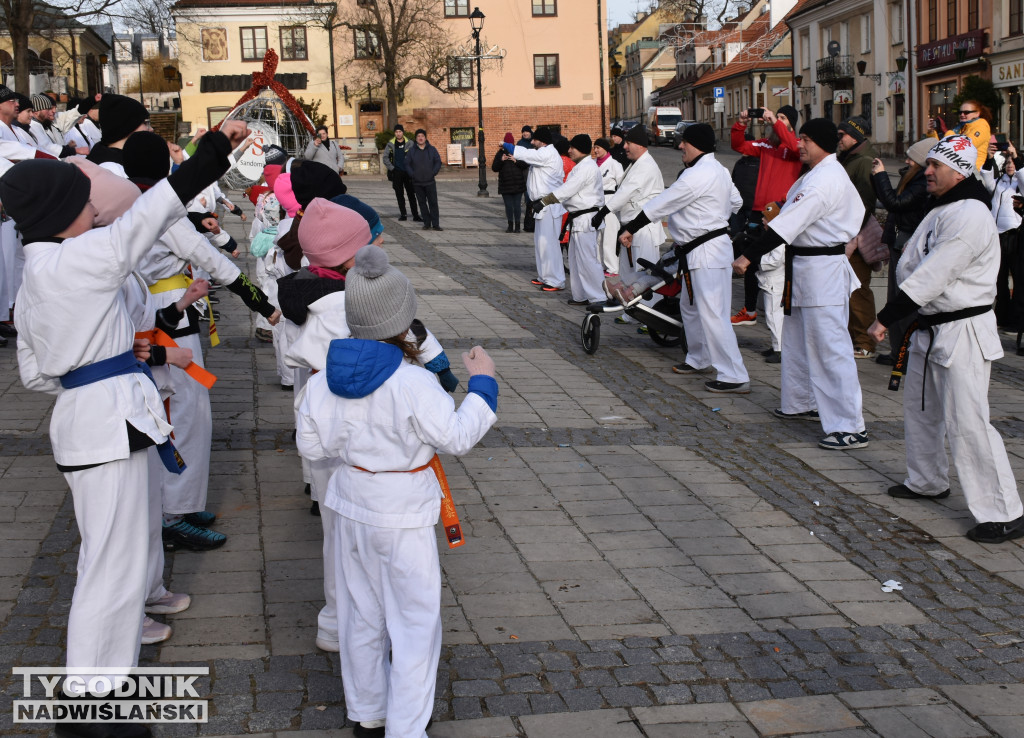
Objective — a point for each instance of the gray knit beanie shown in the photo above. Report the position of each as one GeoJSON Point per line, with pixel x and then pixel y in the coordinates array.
{"type": "Point", "coordinates": [380, 302]}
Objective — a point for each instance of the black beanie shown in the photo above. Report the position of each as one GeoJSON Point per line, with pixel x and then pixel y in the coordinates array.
{"type": "Point", "coordinates": [119, 117]}
{"type": "Point", "coordinates": [311, 180]}
{"type": "Point", "coordinates": [274, 154]}
{"type": "Point", "coordinates": [6, 93]}
{"type": "Point", "coordinates": [701, 136]}
{"type": "Point", "coordinates": [146, 156]}
{"type": "Point", "coordinates": [616, 131]}
{"type": "Point", "coordinates": [44, 196]}
{"type": "Point", "coordinates": [638, 135]}
{"type": "Point", "coordinates": [399, 127]}
{"type": "Point", "coordinates": [543, 135]}
{"type": "Point", "coordinates": [24, 101]}
{"type": "Point", "coordinates": [604, 143]}
{"type": "Point", "coordinates": [791, 114]}
{"type": "Point", "coordinates": [527, 129]}
{"type": "Point", "coordinates": [561, 144]}
{"type": "Point", "coordinates": [581, 142]}
{"type": "Point", "coordinates": [823, 132]}
{"type": "Point", "coordinates": [856, 127]}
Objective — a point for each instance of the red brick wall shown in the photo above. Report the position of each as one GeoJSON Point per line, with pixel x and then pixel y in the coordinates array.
{"type": "Point", "coordinates": [497, 121]}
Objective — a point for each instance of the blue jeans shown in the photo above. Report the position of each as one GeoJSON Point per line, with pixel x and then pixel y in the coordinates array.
{"type": "Point", "coordinates": [513, 207]}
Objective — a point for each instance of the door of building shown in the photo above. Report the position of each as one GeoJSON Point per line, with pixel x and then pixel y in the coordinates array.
{"type": "Point", "coordinates": [371, 119]}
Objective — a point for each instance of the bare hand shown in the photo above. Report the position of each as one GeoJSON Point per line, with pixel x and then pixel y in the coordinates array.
{"type": "Point", "coordinates": [626, 239]}
{"type": "Point", "coordinates": [234, 254]}
{"type": "Point", "coordinates": [877, 167]}
{"type": "Point", "coordinates": [316, 142]}
{"type": "Point", "coordinates": [141, 349]}
{"type": "Point", "coordinates": [236, 131]}
{"type": "Point", "coordinates": [740, 265]}
{"type": "Point", "coordinates": [275, 318]}
{"type": "Point", "coordinates": [1011, 151]}
{"type": "Point", "coordinates": [179, 357]}
{"type": "Point", "coordinates": [242, 216]}
{"type": "Point", "coordinates": [200, 132]}
{"type": "Point", "coordinates": [177, 154]}
{"type": "Point", "coordinates": [769, 117]}
{"type": "Point", "coordinates": [210, 224]}
{"type": "Point", "coordinates": [478, 361]}
{"type": "Point", "coordinates": [877, 331]}
{"type": "Point", "coordinates": [82, 150]}
{"type": "Point", "coordinates": [744, 118]}
{"type": "Point", "coordinates": [199, 289]}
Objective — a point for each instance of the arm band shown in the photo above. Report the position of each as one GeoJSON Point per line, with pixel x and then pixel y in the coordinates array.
{"type": "Point", "coordinates": [252, 296]}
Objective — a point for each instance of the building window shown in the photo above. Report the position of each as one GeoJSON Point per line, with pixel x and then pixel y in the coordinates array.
{"type": "Point", "coordinates": [896, 22]}
{"type": "Point", "coordinates": [1016, 13]}
{"type": "Point", "coordinates": [123, 50]}
{"type": "Point", "coordinates": [972, 15]}
{"type": "Point", "coordinates": [366, 45]}
{"type": "Point", "coordinates": [950, 17]}
{"type": "Point", "coordinates": [214, 116]}
{"type": "Point", "coordinates": [254, 43]}
{"type": "Point", "coordinates": [456, 8]}
{"type": "Point", "coordinates": [545, 7]}
{"type": "Point", "coordinates": [805, 50]}
{"type": "Point", "coordinates": [460, 74]}
{"type": "Point", "coordinates": [293, 43]}
{"type": "Point", "coordinates": [865, 106]}
{"type": "Point", "coordinates": [545, 70]}
{"type": "Point", "coordinates": [865, 33]}
{"type": "Point", "coordinates": [933, 20]}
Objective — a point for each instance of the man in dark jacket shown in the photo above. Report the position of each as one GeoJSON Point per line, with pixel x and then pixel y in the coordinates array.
{"type": "Point", "coordinates": [423, 163]}
{"type": "Point", "coordinates": [618, 150]}
{"type": "Point", "coordinates": [394, 162]}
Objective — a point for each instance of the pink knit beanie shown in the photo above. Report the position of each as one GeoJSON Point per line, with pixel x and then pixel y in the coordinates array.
{"type": "Point", "coordinates": [330, 234]}
{"type": "Point", "coordinates": [285, 196]}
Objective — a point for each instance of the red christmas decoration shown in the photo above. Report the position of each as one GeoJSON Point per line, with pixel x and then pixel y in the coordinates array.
{"type": "Point", "coordinates": [264, 79]}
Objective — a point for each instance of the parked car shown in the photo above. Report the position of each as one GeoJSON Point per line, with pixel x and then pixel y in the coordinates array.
{"type": "Point", "coordinates": [677, 133]}
{"type": "Point", "coordinates": [625, 125]}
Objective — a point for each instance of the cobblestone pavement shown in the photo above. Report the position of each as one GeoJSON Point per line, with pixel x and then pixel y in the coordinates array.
{"type": "Point", "coordinates": [643, 558]}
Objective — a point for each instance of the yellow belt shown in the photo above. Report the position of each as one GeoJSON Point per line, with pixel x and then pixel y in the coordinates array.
{"type": "Point", "coordinates": [181, 282]}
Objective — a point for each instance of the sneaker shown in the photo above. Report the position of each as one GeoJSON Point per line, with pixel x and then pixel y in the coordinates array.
{"type": "Point", "coordinates": [307, 490]}
{"type": "Point", "coordinates": [154, 632]}
{"type": "Point", "coordinates": [736, 388]}
{"type": "Point", "coordinates": [192, 537]}
{"type": "Point", "coordinates": [326, 644]}
{"type": "Point", "coordinates": [903, 492]}
{"type": "Point", "coordinates": [537, 282]}
{"type": "Point", "coordinates": [842, 441]}
{"type": "Point", "coordinates": [744, 318]}
{"type": "Point", "coordinates": [885, 360]}
{"type": "Point", "coordinates": [550, 288]}
{"type": "Point", "coordinates": [806, 415]}
{"type": "Point", "coordinates": [417, 219]}
{"type": "Point", "coordinates": [577, 303]}
{"type": "Point", "coordinates": [3, 342]}
{"type": "Point", "coordinates": [860, 353]}
{"type": "Point", "coordinates": [7, 330]}
{"type": "Point", "coordinates": [358, 731]}
{"type": "Point", "coordinates": [403, 217]}
{"type": "Point", "coordinates": [622, 320]}
{"type": "Point", "coordinates": [426, 227]}
{"type": "Point", "coordinates": [265, 335]}
{"type": "Point", "coordinates": [685, 368]}
{"type": "Point", "coordinates": [437, 228]}
{"type": "Point", "coordinates": [997, 532]}
{"type": "Point", "coordinates": [642, 330]}
{"type": "Point", "coordinates": [314, 509]}
{"type": "Point", "coordinates": [169, 604]}
{"type": "Point", "coordinates": [768, 352]}
{"type": "Point", "coordinates": [201, 519]}
{"type": "Point", "coordinates": [774, 358]}
{"type": "Point", "coordinates": [287, 387]}
{"type": "Point", "coordinates": [214, 300]}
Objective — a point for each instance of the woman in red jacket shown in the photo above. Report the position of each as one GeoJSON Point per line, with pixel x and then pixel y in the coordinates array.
{"type": "Point", "coordinates": [780, 167]}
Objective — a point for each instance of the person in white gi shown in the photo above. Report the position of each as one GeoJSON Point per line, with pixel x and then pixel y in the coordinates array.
{"type": "Point", "coordinates": [76, 340]}
{"type": "Point", "coordinates": [47, 136]}
{"type": "Point", "coordinates": [948, 273]}
{"type": "Point", "coordinates": [822, 213]}
{"type": "Point", "coordinates": [581, 194]}
{"type": "Point", "coordinates": [385, 418]}
{"type": "Point", "coordinates": [79, 123]}
{"type": "Point", "coordinates": [545, 175]}
{"type": "Point", "coordinates": [611, 176]}
{"type": "Point", "coordinates": [698, 205]}
{"type": "Point", "coordinates": [641, 182]}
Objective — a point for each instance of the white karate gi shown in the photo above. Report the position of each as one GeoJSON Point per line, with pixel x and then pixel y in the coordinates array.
{"type": "Point", "coordinates": [699, 201]}
{"type": "Point", "coordinates": [545, 175]}
{"type": "Point", "coordinates": [771, 278]}
{"type": "Point", "coordinates": [85, 133]}
{"type": "Point", "coordinates": [89, 323]}
{"type": "Point", "coordinates": [285, 331]}
{"type": "Point", "coordinates": [611, 175]}
{"type": "Point", "coordinates": [584, 189]}
{"type": "Point", "coordinates": [388, 572]}
{"type": "Point", "coordinates": [819, 372]}
{"type": "Point", "coordinates": [950, 263]}
{"type": "Point", "coordinates": [641, 182]}
{"type": "Point", "coordinates": [43, 138]}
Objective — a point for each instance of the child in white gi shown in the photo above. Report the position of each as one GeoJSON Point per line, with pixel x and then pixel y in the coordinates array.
{"type": "Point", "coordinates": [385, 418]}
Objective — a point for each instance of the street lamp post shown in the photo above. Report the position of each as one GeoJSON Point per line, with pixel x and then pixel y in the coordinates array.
{"type": "Point", "coordinates": [476, 21]}
{"type": "Point", "coordinates": [138, 60]}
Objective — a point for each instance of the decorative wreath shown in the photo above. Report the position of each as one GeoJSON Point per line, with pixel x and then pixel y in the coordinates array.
{"type": "Point", "coordinates": [264, 79]}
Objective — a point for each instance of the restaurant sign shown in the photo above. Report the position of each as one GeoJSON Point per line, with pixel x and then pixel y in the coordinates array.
{"type": "Point", "coordinates": [943, 52]}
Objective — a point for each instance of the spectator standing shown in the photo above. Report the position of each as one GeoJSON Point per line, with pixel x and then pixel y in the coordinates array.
{"type": "Point", "coordinates": [422, 162]}
{"type": "Point", "coordinates": [1004, 185]}
{"type": "Point", "coordinates": [511, 183]}
{"type": "Point", "coordinates": [975, 124]}
{"type": "Point", "coordinates": [394, 161]}
{"type": "Point", "coordinates": [906, 206]}
{"type": "Point", "coordinates": [325, 151]}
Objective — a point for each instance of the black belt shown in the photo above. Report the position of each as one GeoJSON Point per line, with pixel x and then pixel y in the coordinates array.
{"type": "Point", "coordinates": [567, 225]}
{"type": "Point", "coordinates": [791, 251]}
{"type": "Point", "coordinates": [927, 323]}
{"type": "Point", "coordinates": [609, 192]}
{"type": "Point", "coordinates": [682, 250]}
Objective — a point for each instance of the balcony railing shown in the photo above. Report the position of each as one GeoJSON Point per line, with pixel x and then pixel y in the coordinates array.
{"type": "Point", "coordinates": [834, 70]}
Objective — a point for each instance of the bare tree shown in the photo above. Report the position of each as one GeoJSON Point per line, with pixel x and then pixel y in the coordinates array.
{"type": "Point", "coordinates": [719, 10]}
{"type": "Point", "coordinates": [146, 16]}
{"type": "Point", "coordinates": [24, 18]}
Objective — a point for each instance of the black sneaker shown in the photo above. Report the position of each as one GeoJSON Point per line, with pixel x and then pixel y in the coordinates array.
{"type": "Point", "coordinates": [314, 509]}
{"type": "Point", "coordinates": [403, 217]}
{"type": "Point", "coordinates": [426, 227]}
{"type": "Point", "coordinates": [997, 532]}
{"type": "Point", "coordinates": [775, 358]}
{"type": "Point", "coordinates": [438, 228]}
{"type": "Point", "coordinates": [903, 492]}
{"type": "Point", "coordinates": [806, 415]}
{"type": "Point", "coordinates": [885, 360]}
{"type": "Point", "coordinates": [417, 219]}
{"type": "Point", "coordinates": [685, 368]}
{"type": "Point", "coordinates": [843, 441]}
{"type": "Point", "coordinates": [358, 731]}
{"type": "Point", "coordinates": [577, 303]}
{"type": "Point", "coordinates": [736, 388]}
{"type": "Point", "coordinates": [768, 352]}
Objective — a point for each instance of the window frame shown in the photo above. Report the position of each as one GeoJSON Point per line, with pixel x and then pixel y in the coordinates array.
{"type": "Point", "coordinates": [258, 56]}
{"type": "Point", "coordinates": [933, 20]}
{"type": "Point", "coordinates": [464, 69]}
{"type": "Point", "coordinates": [544, 8]}
{"type": "Point", "coordinates": [1015, 18]}
{"type": "Point", "coordinates": [367, 33]}
{"type": "Point", "coordinates": [291, 32]}
{"type": "Point", "coordinates": [973, 14]}
{"type": "Point", "coordinates": [951, 10]}
{"type": "Point", "coordinates": [455, 13]}
{"type": "Point", "coordinates": [558, 79]}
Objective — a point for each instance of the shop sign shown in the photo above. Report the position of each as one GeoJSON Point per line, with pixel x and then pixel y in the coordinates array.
{"type": "Point", "coordinates": [842, 97]}
{"type": "Point", "coordinates": [1011, 72]}
{"type": "Point", "coordinates": [942, 52]}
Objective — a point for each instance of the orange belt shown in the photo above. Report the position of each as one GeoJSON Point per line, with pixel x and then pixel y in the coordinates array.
{"type": "Point", "coordinates": [449, 515]}
{"type": "Point", "coordinates": [158, 338]}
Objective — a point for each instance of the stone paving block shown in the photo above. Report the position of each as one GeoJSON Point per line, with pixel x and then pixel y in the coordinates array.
{"type": "Point", "coordinates": [708, 730]}
{"type": "Point", "coordinates": [495, 727]}
{"type": "Point", "coordinates": [606, 613]}
{"type": "Point", "coordinates": [801, 552]}
{"type": "Point", "coordinates": [501, 629]}
{"type": "Point", "coordinates": [551, 551]}
{"type": "Point", "coordinates": [717, 620]}
{"type": "Point", "coordinates": [782, 605]}
{"type": "Point", "coordinates": [878, 613]}
{"type": "Point", "coordinates": [518, 604]}
{"type": "Point", "coordinates": [799, 715]}
{"type": "Point", "coordinates": [758, 583]}
{"type": "Point", "coordinates": [936, 721]}
{"type": "Point", "coordinates": [987, 699]}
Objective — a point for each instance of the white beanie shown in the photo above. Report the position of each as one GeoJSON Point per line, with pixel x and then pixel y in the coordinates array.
{"type": "Point", "coordinates": [380, 302]}
{"type": "Point", "coordinates": [957, 153]}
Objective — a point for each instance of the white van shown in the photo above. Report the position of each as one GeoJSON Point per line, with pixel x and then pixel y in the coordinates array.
{"type": "Point", "coordinates": [661, 123]}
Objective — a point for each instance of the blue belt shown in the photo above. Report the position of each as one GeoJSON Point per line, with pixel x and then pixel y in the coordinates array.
{"type": "Point", "coordinates": [117, 366]}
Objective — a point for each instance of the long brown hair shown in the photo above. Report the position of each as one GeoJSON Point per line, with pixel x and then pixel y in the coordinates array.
{"type": "Point", "coordinates": [908, 175]}
{"type": "Point", "coordinates": [409, 347]}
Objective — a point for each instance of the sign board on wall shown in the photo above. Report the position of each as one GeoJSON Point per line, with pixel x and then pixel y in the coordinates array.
{"type": "Point", "coordinates": [842, 97]}
{"type": "Point", "coordinates": [454, 154]}
{"type": "Point", "coordinates": [781, 91]}
{"type": "Point", "coordinates": [345, 120]}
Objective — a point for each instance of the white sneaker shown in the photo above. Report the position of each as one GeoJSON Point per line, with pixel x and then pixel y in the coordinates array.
{"type": "Point", "coordinates": [839, 441]}
{"type": "Point", "coordinates": [154, 632]}
{"type": "Point", "coordinates": [169, 604]}
{"type": "Point", "coordinates": [328, 645]}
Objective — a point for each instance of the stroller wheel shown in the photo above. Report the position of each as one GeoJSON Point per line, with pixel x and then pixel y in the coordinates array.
{"type": "Point", "coordinates": [663, 339]}
{"type": "Point", "coordinates": [590, 333]}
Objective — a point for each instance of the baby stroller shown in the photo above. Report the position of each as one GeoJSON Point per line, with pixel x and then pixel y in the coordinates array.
{"type": "Point", "coordinates": [662, 320]}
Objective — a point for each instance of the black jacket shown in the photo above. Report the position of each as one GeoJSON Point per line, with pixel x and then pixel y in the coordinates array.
{"type": "Point", "coordinates": [511, 174]}
{"type": "Point", "coordinates": [906, 209]}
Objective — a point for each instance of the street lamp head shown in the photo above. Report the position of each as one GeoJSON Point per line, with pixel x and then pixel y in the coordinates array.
{"type": "Point", "coordinates": [103, 59]}
{"type": "Point", "coordinates": [763, 76]}
{"type": "Point", "coordinates": [798, 79]}
{"type": "Point", "coordinates": [901, 62]}
{"type": "Point", "coordinates": [170, 73]}
{"type": "Point", "coordinates": [861, 67]}
{"type": "Point", "coordinates": [476, 20]}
